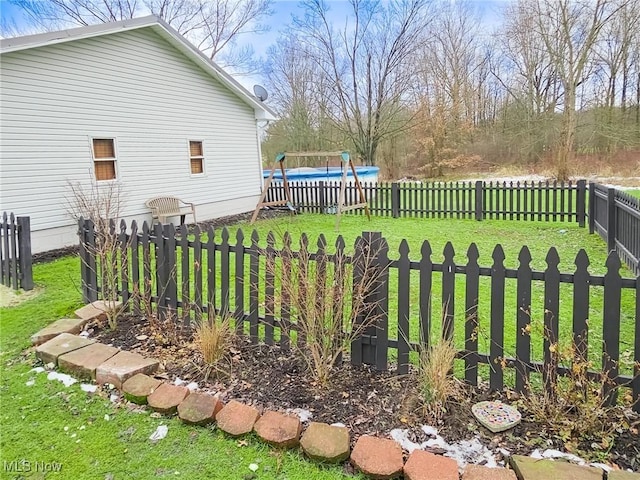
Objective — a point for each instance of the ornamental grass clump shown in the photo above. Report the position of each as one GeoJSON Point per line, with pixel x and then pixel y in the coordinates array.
{"type": "Point", "coordinates": [436, 383]}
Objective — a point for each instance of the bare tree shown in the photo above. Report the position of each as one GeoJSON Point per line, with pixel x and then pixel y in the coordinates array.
{"type": "Point", "coordinates": [569, 30]}
{"type": "Point", "coordinates": [213, 26]}
{"type": "Point", "coordinates": [367, 64]}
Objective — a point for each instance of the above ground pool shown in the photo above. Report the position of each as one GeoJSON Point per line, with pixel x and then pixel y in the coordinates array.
{"type": "Point", "coordinates": [326, 174]}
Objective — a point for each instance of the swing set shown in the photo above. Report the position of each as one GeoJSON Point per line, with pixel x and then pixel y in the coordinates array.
{"type": "Point", "coordinates": [346, 163]}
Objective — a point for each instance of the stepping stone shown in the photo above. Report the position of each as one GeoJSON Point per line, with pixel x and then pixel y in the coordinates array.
{"type": "Point", "coordinates": [166, 398]}
{"type": "Point", "coordinates": [83, 363]}
{"type": "Point", "coordinates": [528, 468]}
{"type": "Point", "coordinates": [63, 325]}
{"type": "Point", "coordinates": [199, 408]}
{"type": "Point", "coordinates": [478, 472]}
{"type": "Point", "coordinates": [279, 429]}
{"type": "Point", "coordinates": [97, 310]}
{"type": "Point", "coordinates": [377, 457]}
{"type": "Point", "coordinates": [236, 418]}
{"type": "Point", "coordinates": [123, 366]}
{"type": "Point", "coordinates": [325, 443]}
{"type": "Point", "coordinates": [139, 387]}
{"type": "Point", "coordinates": [496, 416]}
{"type": "Point", "coordinates": [622, 475]}
{"type": "Point", "coordinates": [49, 351]}
{"type": "Point", "coordinates": [423, 465]}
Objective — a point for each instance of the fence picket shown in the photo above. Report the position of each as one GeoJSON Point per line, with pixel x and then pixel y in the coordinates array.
{"type": "Point", "coordinates": [448, 291]}
{"type": "Point", "coordinates": [581, 279]}
{"type": "Point", "coordinates": [404, 274]}
{"type": "Point", "coordinates": [225, 274]}
{"type": "Point", "coordinates": [551, 320]}
{"type": "Point", "coordinates": [197, 273]}
{"type": "Point", "coordinates": [496, 349]}
{"type": "Point", "coordinates": [523, 320]}
{"type": "Point", "coordinates": [254, 272]}
{"type": "Point", "coordinates": [426, 272]}
{"type": "Point", "coordinates": [611, 326]}
{"type": "Point", "coordinates": [472, 296]}
{"type": "Point", "coordinates": [239, 282]}
{"type": "Point", "coordinates": [269, 289]}
{"type": "Point", "coordinates": [186, 267]}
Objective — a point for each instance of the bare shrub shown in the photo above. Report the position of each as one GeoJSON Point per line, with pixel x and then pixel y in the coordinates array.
{"type": "Point", "coordinates": [331, 297]}
{"type": "Point", "coordinates": [101, 204]}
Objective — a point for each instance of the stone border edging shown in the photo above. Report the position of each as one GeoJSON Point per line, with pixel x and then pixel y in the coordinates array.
{"type": "Point", "coordinates": [375, 457]}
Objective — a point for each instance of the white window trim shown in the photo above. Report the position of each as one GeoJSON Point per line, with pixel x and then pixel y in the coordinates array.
{"type": "Point", "coordinates": [114, 159]}
{"type": "Point", "coordinates": [202, 157]}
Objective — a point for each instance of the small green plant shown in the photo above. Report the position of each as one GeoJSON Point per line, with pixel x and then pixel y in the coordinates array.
{"type": "Point", "coordinates": [436, 383]}
{"type": "Point", "coordinates": [213, 339]}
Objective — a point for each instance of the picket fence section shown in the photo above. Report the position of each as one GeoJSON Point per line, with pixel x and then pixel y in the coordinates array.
{"type": "Point", "coordinates": [542, 201]}
{"type": "Point", "coordinates": [15, 252]}
{"type": "Point", "coordinates": [187, 274]}
{"type": "Point", "coordinates": [615, 216]}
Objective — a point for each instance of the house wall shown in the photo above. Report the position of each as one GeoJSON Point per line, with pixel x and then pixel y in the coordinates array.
{"type": "Point", "coordinates": [137, 88]}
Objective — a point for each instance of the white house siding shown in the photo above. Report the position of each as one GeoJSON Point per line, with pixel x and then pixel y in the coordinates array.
{"type": "Point", "coordinates": [137, 88]}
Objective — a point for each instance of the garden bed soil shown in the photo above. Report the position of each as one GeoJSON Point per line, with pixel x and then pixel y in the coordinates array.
{"type": "Point", "coordinates": [366, 401]}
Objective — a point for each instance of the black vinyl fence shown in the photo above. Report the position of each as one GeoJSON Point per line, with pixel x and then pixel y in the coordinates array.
{"type": "Point", "coordinates": [615, 216]}
{"type": "Point", "coordinates": [543, 201]}
{"type": "Point", "coordinates": [189, 273]}
{"type": "Point", "coordinates": [15, 252]}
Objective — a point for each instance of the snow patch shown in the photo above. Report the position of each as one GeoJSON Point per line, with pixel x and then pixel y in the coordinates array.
{"type": "Point", "coordinates": [178, 381]}
{"type": "Point", "coordinates": [193, 386]}
{"type": "Point", "coordinates": [160, 433]}
{"type": "Point", "coordinates": [303, 415]}
{"type": "Point", "coordinates": [67, 380]}
{"type": "Point", "coordinates": [553, 454]}
{"type": "Point", "coordinates": [464, 452]}
{"type": "Point", "coordinates": [338, 424]}
{"type": "Point", "coordinates": [37, 370]}
{"type": "Point", "coordinates": [30, 383]}
{"type": "Point", "coordinates": [86, 387]}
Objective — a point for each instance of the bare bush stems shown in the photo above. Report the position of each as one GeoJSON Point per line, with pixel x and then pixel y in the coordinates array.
{"type": "Point", "coordinates": [574, 407]}
{"type": "Point", "coordinates": [330, 298]}
{"type": "Point", "coordinates": [101, 205]}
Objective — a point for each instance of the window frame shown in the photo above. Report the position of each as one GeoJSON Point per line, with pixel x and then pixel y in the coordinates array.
{"type": "Point", "coordinates": [113, 159]}
{"type": "Point", "coordinates": [200, 157]}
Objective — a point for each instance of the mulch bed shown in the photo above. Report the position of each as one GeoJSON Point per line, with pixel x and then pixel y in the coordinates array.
{"type": "Point", "coordinates": [366, 401]}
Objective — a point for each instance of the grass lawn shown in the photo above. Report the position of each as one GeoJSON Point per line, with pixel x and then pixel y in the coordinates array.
{"type": "Point", "coordinates": [48, 422]}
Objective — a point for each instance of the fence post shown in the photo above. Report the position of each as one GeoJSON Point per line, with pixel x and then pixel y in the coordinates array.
{"type": "Point", "coordinates": [364, 347]}
{"type": "Point", "coordinates": [479, 200]}
{"type": "Point", "coordinates": [395, 200]}
{"type": "Point", "coordinates": [592, 207]}
{"type": "Point", "coordinates": [24, 252]}
{"type": "Point", "coordinates": [88, 264]}
{"type": "Point", "coordinates": [322, 199]}
{"type": "Point", "coordinates": [611, 219]}
{"type": "Point", "coordinates": [581, 201]}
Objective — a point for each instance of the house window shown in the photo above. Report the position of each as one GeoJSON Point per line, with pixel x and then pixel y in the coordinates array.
{"type": "Point", "coordinates": [196, 157]}
{"type": "Point", "coordinates": [104, 158]}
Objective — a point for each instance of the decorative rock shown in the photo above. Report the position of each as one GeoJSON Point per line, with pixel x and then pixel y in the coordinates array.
{"type": "Point", "coordinates": [496, 416]}
{"type": "Point", "coordinates": [423, 465]}
{"type": "Point", "coordinates": [166, 398]}
{"type": "Point", "coordinates": [49, 351]}
{"type": "Point", "coordinates": [236, 418]}
{"type": "Point", "coordinates": [123, 366]}
{"type": "Point", "coordinates": [83, 363]}
{"type": "Point", "coordinates": [377, 457]}
{"type": "Point", "coordinates": [478, 472]}
{"type": "Point", "coordinates": [528, 468]}
{"type": "Point", "coordinates": [279, 429]}
{"type": "Point", "coordinates": [97, 310]}
{"type": "Point", "coordinates": [325, 443]}
{"type": "Point", "coordinates": [63, 325]}
{"type": "Point", "coordinates": [621, 475]}
{"type": "Point", "coordinates": [199, 408]}
{"type": "Point", "coordinates": [139, 387]}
